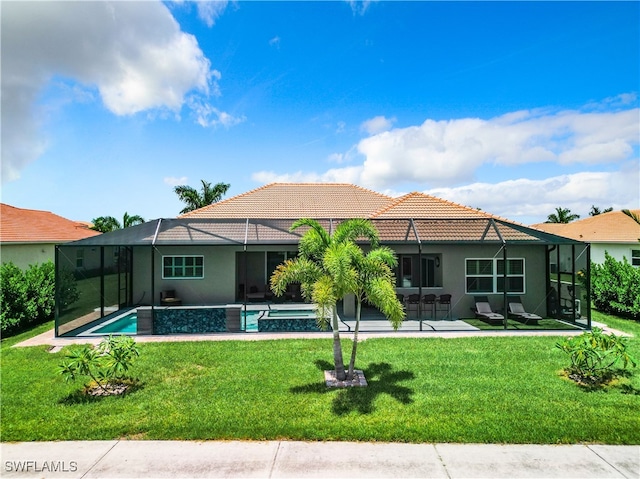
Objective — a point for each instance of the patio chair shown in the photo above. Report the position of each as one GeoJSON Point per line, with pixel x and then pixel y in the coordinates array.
{"type": "Point", "coordinates": [445, 301]}
{"type": "Point", "coordinates": [169, 298]}
{"type": "Point", "coordinates": [430, 300]}
{"type": "Point", "coordinates": [413, 300]}
{"type": "Point", "coordinates": [483, 310]}
{"type": "Point", "coordinates": [517, 311]}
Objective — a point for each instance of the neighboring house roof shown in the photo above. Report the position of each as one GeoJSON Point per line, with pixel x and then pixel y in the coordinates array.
{"type": "Point", "coordinates": [612, 227]}
{"type": "Point", "coordinates": [18, 225]}
{"type": "Point", "coordinates": [297, 200]}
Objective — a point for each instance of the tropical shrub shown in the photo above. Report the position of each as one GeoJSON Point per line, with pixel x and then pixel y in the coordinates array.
{"type": "Point", "coordinates": [615, 287]}
{"type": "Point", "coordinates": [26, 297]}
{"type": "Point", "coordinates": [595, 356]}
{"type": "Point", "coordinates": [107, 365]}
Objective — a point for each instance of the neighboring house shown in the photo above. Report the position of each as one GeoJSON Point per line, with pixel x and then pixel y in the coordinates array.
{"type": "Point", "coordinates": [30, 236]}
{"type": "Point", "coordinates": [226, 252]}
{"type": "Point", "coordinates": [613, 232]}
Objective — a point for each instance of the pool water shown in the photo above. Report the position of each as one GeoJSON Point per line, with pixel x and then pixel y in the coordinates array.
{"type": "Point", "coordinates": [126, 325]}
{"type": "Point", "coordinates": [251, 320]}
{"type": "Point", "coordinates": [251, 317]}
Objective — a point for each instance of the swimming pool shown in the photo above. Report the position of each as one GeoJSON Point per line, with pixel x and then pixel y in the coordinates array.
{"type": "Point", "coordinates": [127, 324]}
{"type": "Point", "coordinates": [250, 320]}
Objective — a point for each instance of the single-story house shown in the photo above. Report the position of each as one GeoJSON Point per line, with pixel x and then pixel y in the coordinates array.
{"type": "Point", "coordinates": [29, 236]}
{"type": "Point", "coordinates": [614, 232]}
{"type": "Point", "coordinates": [225, 253]}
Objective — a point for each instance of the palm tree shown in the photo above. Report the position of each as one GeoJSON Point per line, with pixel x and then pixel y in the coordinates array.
{"type": "Point", "coordinates": [195, 199]}
{"type": "Point", "coordinates": [632, 215]}
{"type": "Point", "coordinates": [595, 211]}
{"type": "Point", "coordinates": [131, 220]}
{"type": "Point", "coordinates": [324, 268]}
{"type": "Point", "coordinates": [375, 284]}
{"type": "Point", "coordinates": [562, 215]}
{"type": "Point", "coordinates": [105, 224]}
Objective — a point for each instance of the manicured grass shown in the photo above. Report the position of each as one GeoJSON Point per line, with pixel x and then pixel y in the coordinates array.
{"type": "Point", "coordinates": [479, 390]}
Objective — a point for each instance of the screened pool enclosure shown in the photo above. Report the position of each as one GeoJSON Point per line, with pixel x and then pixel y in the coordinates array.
{"type": "Point", "coordinates": [205, 275]}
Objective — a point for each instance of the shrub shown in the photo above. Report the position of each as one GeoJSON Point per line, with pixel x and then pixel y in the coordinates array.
{"type": "Point", "coordinates": [615, 287]}
{"type": "Point", "coordinates": [26, 297]}
{"type": "Point", "coordinates": [107, 364]}
{"type": "Point", "coordinates": [595, 355]}
{"type": "Point", "coordinates": [13, 297]}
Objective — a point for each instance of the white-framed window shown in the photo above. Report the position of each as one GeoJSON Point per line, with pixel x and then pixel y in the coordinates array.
{"type": "Point", "coordinates": [635, 257]}
{"type": "Point", "coordinates": [183, 267]}
{"type": "Point", "coordinates": [486, 275]}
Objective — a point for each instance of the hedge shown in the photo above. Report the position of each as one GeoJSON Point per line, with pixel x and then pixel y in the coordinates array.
{"type": "Point", "coordinates": [615, 287]}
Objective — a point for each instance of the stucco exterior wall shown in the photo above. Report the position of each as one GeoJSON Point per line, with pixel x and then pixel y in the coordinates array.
{"type": "Point", "coordinates": [25, 254]}
{"type": "Point", "coordinates": [618, 251]}
{"type": "Point", "coordinates": [217, 286]}
{"type": "Point", "coordinates": [454, 282]}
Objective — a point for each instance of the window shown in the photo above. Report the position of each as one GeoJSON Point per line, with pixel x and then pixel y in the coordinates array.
{"type": "Point", "coordinates": [183, 267]}
{"type": "Point", "coordinates": [410, 274]}
{"type": "Point", "coordinates": [487, 275]}
{"type": "Point", "coordinates": [79, 258]}
{"type": "Point", "coordinates": [635, 257]}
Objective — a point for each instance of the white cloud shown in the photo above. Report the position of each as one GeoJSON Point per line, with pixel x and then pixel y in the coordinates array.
{"type": "Point", "coordinates": [338, 175]}
{"type": "Point", "coordinates": [207, 115]}
{"type": "Point", "coordinates": [377, 125]}
{"type": "Point", "coordinates": [133, 53]}
{"type": "Point", "coordinates": [532, 200]}
{"type": "Point", "coordinates": [448, 152]}
{"type": "Point", "coordinates": [174, 181]}
{"type": "Point", "coordinates": [209, 11]}
{"type": "Point", "coordinates": [359, 7]}
{"type": "Point", "coordinates": [439, 155]}
{"type": "Point", "coordinates": [275, 42]}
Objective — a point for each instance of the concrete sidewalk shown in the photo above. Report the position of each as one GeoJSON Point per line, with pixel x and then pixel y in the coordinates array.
{"type": "Point", "coordinates": [282, 459]}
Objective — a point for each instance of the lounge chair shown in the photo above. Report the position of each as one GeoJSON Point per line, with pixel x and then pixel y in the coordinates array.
{"type": "Point", "coordinates": [517, 311]}
{"type": "Point", "coordinates": [483, 311]}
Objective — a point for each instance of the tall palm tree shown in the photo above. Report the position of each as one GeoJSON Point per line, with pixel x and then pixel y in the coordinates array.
{"type": "Point", "coordinates": [562, 215]}
{"type": "Point", "coordinates": [375, 285]}
{"type": "Point", "coordinates": [324, 269]}
{"type": "Point", "coordinates": [199, 199]}
{"type": "Point", "coordinates": [105, 224]}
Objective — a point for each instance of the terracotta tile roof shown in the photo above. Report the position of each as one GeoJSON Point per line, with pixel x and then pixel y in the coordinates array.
{"type": "Point", "coordinates": [420, 205]}
{"type": "Point", "coordinates": [612, 227]}
{"type": "Point", "coordinates": [297, 200]}
{"type": "Point", "coordinates": [18, 225]}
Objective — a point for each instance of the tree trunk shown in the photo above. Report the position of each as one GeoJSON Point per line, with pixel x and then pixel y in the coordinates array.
{"type": "Point", "coordinates": [354, 349]}
{"type": "Point", "coordinates": [337, 347]}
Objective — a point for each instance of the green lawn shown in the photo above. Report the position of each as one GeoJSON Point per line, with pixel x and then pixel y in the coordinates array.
{"type": "Point", "coordinates": [478, 390]}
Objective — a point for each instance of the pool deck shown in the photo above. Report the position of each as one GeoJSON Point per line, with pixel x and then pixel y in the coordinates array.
{"type": "Point", "coordinates": [48, 338]}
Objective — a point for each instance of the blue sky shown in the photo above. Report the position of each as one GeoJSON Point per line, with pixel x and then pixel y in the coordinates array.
{"type": "Point", "coordinates": [512, 107]}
